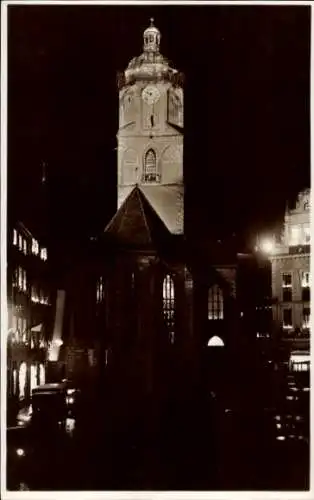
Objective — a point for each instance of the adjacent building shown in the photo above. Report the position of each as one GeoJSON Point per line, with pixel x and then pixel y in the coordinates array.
{"type": "Point", "coordinates": [290, 261]}
{"type": "Point", "coordinates": [29, 312]}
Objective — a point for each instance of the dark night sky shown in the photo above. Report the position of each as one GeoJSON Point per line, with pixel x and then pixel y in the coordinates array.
{"type": "Point", "coordinates": [246, 110]}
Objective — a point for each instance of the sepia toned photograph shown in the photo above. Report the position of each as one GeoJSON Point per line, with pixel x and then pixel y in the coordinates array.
{"type": "Point", "coordinates": [156, 325]}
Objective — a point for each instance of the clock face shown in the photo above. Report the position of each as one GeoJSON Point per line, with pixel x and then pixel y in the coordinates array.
{"type": "Point", "coordinates": [150, 94]}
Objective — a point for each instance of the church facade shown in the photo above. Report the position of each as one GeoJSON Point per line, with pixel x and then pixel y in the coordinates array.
{"type": "Point", "coordinates": [167, 315]}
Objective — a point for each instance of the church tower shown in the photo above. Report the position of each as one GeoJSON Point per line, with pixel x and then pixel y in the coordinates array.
{"type": "Point", "coordinates": [150, 135]}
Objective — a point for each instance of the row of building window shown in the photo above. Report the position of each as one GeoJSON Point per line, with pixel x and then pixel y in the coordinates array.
{"type": "Point", "coordinates": [287, 286]}
{"type": "Point", "coordinates": [22, 244]}
{"type": "Point", "coordinates": [19, 378]}
{"type": "Point", "coordinates": [39, 296]}
{"type": "Point", "coordinates": [20, 279]}
{"type": "Point", "coordinates": [20, 282]}
{"type": "Point", "coordinates": [19, 334]}
{"type": "Point", "coordinates": [287, 318]}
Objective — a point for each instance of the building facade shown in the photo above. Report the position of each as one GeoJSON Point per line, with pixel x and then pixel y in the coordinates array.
{"type": "Point", "coordinates": [290, 261]}
{"type": "Point", "coordinates": [29, 312]}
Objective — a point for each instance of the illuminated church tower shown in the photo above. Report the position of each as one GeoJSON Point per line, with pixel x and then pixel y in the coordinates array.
{"type": "Point", "coordinates": [150, 135]}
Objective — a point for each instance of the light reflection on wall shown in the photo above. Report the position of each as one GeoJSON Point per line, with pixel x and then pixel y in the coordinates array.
{"type": "Point", "coordinates": [42, 374]}
{"type": "Point", "coordinates": [33, 377]}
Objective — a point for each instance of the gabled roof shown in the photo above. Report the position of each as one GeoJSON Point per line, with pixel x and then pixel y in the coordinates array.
{"type": "Point", "coordinates": [136, 225]}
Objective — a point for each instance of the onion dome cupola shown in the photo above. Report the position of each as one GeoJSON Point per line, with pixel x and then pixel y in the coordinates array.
{"type": "Point", "coordinates": [151, 65]}
{"type": "Point", "coordinates": [151, 38]}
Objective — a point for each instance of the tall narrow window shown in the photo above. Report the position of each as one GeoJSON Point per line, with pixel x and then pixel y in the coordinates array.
{"type": "Point", "coordinates": [14, 237]}
{"type": "Point", "coordinates": [215, 303]}
{"type": "Point", "coordinates": [99, 290]}
{"type": "Point", "coordinates": [22, 379]}
{"type": "Point", "coordinates": [169, 305]}
{"type": "Point", "coordinates": [150, 167]}
{"type": "Point", "coordinates": [287, 318]}
{"type": "Point", "coordinates": [287, 287]}
{"type": "Point", "coordinates": [306, 318]}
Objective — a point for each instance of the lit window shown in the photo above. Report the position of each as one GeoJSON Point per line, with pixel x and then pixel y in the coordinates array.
{"type": "Point", "coordinates": [20, 278]}
{"type": "Point", "coordinates": [150, 167]}
{"type": "Point", "coordinates": [14, 237]}
{"type": "Point", "coordinates": [306, 318]}
{"type": "Point", "coordinates": [14, 382]}
{"type": "Point", "coordinates": [287, 318]}
{"type": "Point", "coordinates": [215, 341]}
{"type": "Point", "coordinates": [35, 246]}
{"type": "Point", "coordinates": [43, 253]}
{"type": "Point", "coordinates": [295, 236]}
{"type": "Point", "coordinates": [34, 295]}
{"type": "Point", "coordinates": [100, 290]}
{"type": "Point", "coordinates": [25, 246]}
{"type": "Point", "coordinates": [169, 305]}
{"type": "Point", "coordinates": [22, 379]}
{"type": "Point", "coordinates": [215, 303]}
{"type": "Point", "coordinates": [24, 281]}
{"type": "Point", "coordinates": [20, 242]}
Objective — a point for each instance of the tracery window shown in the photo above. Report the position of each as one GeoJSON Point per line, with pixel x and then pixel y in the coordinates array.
{"type": "Point", "coordinates": [169, 305]}
{"type": "Point", "coordinates": [150, 167]}
{"type": "Point", "coordinates": [215, 303]}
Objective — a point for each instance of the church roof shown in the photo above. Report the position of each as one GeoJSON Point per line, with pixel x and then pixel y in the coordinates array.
{"type": "Point", "coordinates": [136, 225]}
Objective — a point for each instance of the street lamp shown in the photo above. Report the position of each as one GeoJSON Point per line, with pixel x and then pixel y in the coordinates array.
{"type": "Point", "coordinates": [267, 246]}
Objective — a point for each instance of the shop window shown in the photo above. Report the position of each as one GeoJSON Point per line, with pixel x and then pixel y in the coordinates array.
{"type": "Point", "coordinates": [215, 303]}
{"type": "Point", "coordinates": [169, 305]}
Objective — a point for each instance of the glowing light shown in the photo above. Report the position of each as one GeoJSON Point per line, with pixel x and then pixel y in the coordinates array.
{"type": "Point", "coordinates": [278, 426]}
{"type": "Point", "coordinates": [20, 452]}
{"type": "Point", "coordinates": [290, 398]}
{"type": "Point", "coordinates": [70, 426]}
{"type": "Point", "coordinates": [70, 391]}
{"type": "Point", "coordinates": [298, 417]}
{"type": "Point", "coordinates": [70, 401]}
{"type": "Point", "coordinates": [215, 341]}
{"type": "Point", "coordinates": [277, 417]}
{"type": "Point", "coordinates": [58, 342]}
{"type": "Point", "coordinates": [267, 246]}
{"type": "Point", "coordinates": [281, 438]}
{"type": "Point", "coordinates": [305, 389]}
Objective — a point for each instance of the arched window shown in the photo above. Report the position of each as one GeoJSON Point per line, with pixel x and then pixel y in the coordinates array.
{"type": "Point", "coordinates": [150, 167]}
{"type": "Point", "coordinates": [169, 305]}
{"type": "Point", "coordinates": [215, 341]}
{"type": "Point", "coordinates": [215, 303]}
